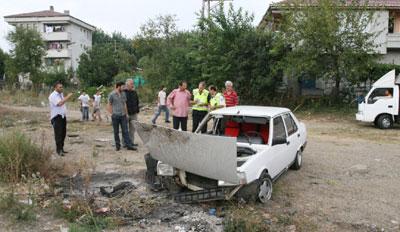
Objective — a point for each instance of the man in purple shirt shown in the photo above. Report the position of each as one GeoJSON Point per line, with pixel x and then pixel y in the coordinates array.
{"type": "Point", "coordinates": [179, 102]}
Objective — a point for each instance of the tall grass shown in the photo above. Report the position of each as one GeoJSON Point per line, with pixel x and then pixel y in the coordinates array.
{"type": "Point", "coordinates": [20, 156]}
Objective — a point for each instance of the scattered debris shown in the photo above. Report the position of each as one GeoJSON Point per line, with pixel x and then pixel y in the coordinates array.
{"type": "Point", "coordinates": [119, 190]}
{"type": "Point", "coordinates": [72, 135]}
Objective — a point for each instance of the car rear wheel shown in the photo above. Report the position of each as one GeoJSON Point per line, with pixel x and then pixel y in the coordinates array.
{"type": "Point", "coordinates": [385, 121]}
{"type": "Point", "coordinates": [264, 188]}
{"type": "Point", "coordinates": [298, 161]}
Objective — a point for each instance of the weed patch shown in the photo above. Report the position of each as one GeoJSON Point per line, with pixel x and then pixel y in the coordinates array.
{"type": "Point", "coordinates": [81, 216]}
{"type": "Point", "coordinates": [245, 219]}
{"type": "Point", "coordinates": [18, 210]}
{"type": "Point", "coordinates": [20, 156]}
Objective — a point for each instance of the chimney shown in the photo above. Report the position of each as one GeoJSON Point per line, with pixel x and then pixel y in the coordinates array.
{"type": "Point", "coordinates": [66, 12]}
{"type": "Point", "coordinates": [51, 8]}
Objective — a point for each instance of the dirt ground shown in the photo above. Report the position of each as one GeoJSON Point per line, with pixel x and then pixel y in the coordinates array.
{"type": "Point", "coordinates": [350, 179]}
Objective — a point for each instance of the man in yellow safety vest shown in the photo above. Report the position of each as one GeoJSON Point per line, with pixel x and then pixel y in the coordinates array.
{"type": "Point", "coordinates": [201, 99]}
{"type": "Point", "coordinates": [217, 99]}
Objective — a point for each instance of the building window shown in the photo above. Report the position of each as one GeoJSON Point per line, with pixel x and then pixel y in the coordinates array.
{"type": "Point", "coordinates": [55, 45]}
{"type": "Point", "coordinates": [52, 61]}
{"type": "Point", "coordinates": [48, 28]}
{"type": "Point", "coordinates": [394, 22]}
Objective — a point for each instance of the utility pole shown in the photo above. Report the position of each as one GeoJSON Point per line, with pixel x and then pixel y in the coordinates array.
{"type": "Point", "coordinates": [209, 6]}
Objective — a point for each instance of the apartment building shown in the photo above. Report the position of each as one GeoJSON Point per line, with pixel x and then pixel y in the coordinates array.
{"type": "Point", "coordinates": [66, 37]}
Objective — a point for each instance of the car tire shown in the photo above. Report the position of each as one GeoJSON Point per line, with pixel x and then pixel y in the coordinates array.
{"type": "Point", "coordinates": [385, 121]}
{"type": "Point", "coordinates": [264, 189]}
{"type": "Point", "coordinates": [298, 161]}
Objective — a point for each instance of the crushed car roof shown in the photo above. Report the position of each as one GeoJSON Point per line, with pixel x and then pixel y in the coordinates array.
{"type": "Point", "coordinates": [255, 111]}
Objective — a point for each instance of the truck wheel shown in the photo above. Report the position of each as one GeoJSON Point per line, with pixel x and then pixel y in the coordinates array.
{"type": "Point", "coordinates": [385, 121]}
{"type": "Point", "coordinates": [264, 192]}
{"type": "Point", "coordinates": [298, 161]}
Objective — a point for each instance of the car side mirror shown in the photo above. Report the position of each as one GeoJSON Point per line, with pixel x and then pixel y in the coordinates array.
{"type": "Point", "coordinates": [279, 140]}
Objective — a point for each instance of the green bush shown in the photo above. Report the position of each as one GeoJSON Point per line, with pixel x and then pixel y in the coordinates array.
{"type": "Point", "coordinates": [20, 156]}
{"type": "Point", "coordinates": [20, 211]}
{"type": "Point", "coordinates": [49, 78]}
{"type": "Point", "coordinates": [81, 216]}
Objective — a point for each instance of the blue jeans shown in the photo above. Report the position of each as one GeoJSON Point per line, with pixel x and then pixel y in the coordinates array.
{"type": "Point", "coordinates": [85, 113]}
{"type": "Point", "coordinates": [120, 120]}
{"type": "Point", "coordinates": [158, 112]}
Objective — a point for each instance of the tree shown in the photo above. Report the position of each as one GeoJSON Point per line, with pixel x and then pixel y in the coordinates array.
{"type": "Point", "coordinates": [224, 46]}
{"type": "Point", "coordinates": [109, 55]}
{"type": "Point", "coordinates": [3, 58]}
{"type": "Point", "coordinates": [230, 48]}
{"type": "Point", "coordinates": [164, 52]}
{"type": "Point", "coordinates": [102, 62]}
{"type": "Point", "coordinates": [28, 51]}
{"type": "Point", "coordinates": [116, 39]}
{"type": "Point", "coordinates": [330, 40]}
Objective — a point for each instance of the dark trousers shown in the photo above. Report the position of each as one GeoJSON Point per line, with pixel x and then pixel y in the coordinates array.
{"type": "Point", "coordinates": [117, 121]}
{"type": "Point", "coordinates": [60, 131]}
{"type": "Point", "coordinates": [182, 121]}
{"type": "Point", "coordinates": [198, 116]}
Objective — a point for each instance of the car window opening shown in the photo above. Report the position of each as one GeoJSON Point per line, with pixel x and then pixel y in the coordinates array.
{"type": "Point", "coordinates": [253, 130]}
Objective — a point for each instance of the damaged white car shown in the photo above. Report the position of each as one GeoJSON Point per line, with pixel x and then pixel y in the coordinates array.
{"type": "Point", "coordinates": [245, 150]}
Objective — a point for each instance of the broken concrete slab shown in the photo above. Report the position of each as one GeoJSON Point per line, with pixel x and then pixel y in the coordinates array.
{"type": "Point", "coordinates": [205, 155]}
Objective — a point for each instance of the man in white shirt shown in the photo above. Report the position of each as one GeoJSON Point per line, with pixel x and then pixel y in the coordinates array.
{"type": "Point", "coordinates": [96, 106]}
{"type": "Point", "coordinates": [58, 116]}
{"type": "Point", "coordinates": [84, 98]}
{"type": "Point", "coordinates": [161, 106]}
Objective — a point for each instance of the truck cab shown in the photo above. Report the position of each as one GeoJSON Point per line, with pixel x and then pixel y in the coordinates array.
{"type": "Point", "coordinates": [381, 105]}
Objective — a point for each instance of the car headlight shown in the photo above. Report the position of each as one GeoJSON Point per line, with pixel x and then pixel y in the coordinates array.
{"type": "Point", "coordinates": [242, 178]}
{"type": "Point", "coordinates": [164, 169]}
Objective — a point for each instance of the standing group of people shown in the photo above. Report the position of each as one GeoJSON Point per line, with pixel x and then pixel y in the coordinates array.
{"type": "Point", "coordinates": [201, 100]}
{"type": "Point", "coordinates": [123, 105]}
{"type": "Point", "coordinates": [85, 101]}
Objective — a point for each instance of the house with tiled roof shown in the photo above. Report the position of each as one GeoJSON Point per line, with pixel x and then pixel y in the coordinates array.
{"type": "Point", "coordinates": [66, 37]}
{"type": "Point", "coordinates": [386, 25]}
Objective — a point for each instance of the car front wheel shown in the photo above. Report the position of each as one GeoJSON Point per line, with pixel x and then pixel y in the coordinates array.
{"type": "Point", "coordinates": [265, 188]}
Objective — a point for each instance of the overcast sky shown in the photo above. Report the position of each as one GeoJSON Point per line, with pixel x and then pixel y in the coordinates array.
{"type": "Point", "coordinates": [124, 16]}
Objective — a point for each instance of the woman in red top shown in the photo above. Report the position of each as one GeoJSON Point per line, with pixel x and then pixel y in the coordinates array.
{"type": "Point", "coordinates": [231, 97]}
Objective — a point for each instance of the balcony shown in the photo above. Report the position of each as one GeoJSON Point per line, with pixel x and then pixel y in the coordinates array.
{"type": "Point", "coordinates": [393, 40]}
{"type": "Point", "coordinates": [58, 53]}
{"type": "Point", "coordinates": [57, 36]}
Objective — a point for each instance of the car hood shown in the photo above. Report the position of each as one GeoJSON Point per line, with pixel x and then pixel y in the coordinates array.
{"type": "Point", "coordinates": [205, 155]}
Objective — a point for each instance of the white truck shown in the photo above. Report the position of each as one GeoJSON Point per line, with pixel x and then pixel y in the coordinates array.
{"type": "Point", "coordinates": [381, 105]}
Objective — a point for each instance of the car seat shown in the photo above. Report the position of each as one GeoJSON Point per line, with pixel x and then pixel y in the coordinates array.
{"type": "Point", "coordinates": [264, 131]}
{"type": "Point", "coordinates": [232, 129]}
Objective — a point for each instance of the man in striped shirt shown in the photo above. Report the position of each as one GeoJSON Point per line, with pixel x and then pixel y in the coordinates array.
{"type": "Point", "coordinates": [230, 95]}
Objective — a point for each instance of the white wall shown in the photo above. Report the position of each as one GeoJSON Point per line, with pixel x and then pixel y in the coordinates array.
{"type": "Point", "coordinates": [379, 25]}
{"type": "Point", "coordinates": [392, 57]}
{"type": "Point", "coordinates": [81, 38]}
